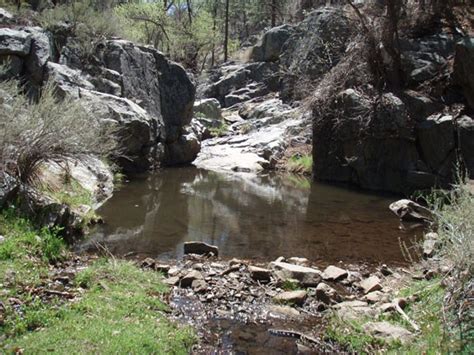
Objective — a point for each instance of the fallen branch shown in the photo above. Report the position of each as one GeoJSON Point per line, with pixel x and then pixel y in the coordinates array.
{"type": "Point", "coordinates": [404, 315]}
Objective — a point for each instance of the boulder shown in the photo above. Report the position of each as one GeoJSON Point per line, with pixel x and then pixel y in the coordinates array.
{"type": "Point", "coordinates": [388, 332]}
{"type": "Point", "coordinates": [371, 284]}
{"type": "Point", "coordinates": [41, 53]}
{"type": "Point", "coordinates": [200, 248]}
{"type": "Point", "coordinates": [347, 144]}
{"type": "Point", "coordinates": [305, 54]}
{"type": "Point", "coordinates": [305, 275]}
{"type": "Point", "coordinates": [464, 68]}
{"type": "Point", "coordinates": [183, 151]}
{"type": "Point", "coordinates": [410, 211]}
{"type": "Point", "coordinates": [242, 82]}
{"type": "Point", "coordinates": [5, 16]}
{"type": "Point", "coordinates": [436, 139]}
{"type": "Point", "coordinates": [334, 273]}
{"type": "Point", "coordinates": [465, 128]}
{"type": "Point", "coordinates": [208, 108]}
{"type": "Point", "coordinates": [326, 294]}
{"type": "Point", "coordinates": [14, 42]}
{"type": "Point", "coordinates": [425, 57]}
{"type": "Point", "coordinates": [146, 75]}
{"type": "Point", "coordinates": [268, 49]}
{"type": "Point", "coordinates": [292, 297]}
{"type": "Point", "coordinates": [259, 274]}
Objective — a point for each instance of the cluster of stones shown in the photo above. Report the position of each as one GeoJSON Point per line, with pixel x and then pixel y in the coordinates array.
{"type": "Point", "coordinates": [285, 288]}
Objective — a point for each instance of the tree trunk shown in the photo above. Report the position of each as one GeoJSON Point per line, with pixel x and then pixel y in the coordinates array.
{"type": "Point", "coordinates": [190, 11]}
{"type": "Point", "coordinates": [274, 12]}
{"type": "Point", "coordinates": [226, 31]}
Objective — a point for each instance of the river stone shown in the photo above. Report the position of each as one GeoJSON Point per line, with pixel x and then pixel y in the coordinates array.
{"type": "Point", "coordinates": [352, 310]}
{"type": "Point", "coordinates": [259, 274]}
{"type": "Point", "coordinates": [429, 247]}
{"type": "Point", "coordinates": [5, 16]}
{"type": "Point", "coordinates": [294, 297]}
{"type": "Point", "coordinates": [306, 276]}
{"type": "Point", "coordinates": [285, 311]}
{"type": "Point", "coordinates": [327, 294]}
{"type": "Point", "coordinates": [334, 273]}
{"type": "Point", "coordinates": [299, 261]}
{"type": "Point", "coordinates": [171, 281]}
{"type": "Point", "coordinates": [388, 332]}
{"type": "Point", "coordinates": [200, 248]}
{"type": "Point", "coordinates": [375, 297]}
{"type": "Point", "coordinates": [199, 286]}
{"type": "Point", "coordinates": [14, 42]}
{"type": "Point", "coordinates": [371, 284]}
{"type": "Point", "coordinates": [410, 211]}
{"type": "Point", "coordinates": [190, 277]}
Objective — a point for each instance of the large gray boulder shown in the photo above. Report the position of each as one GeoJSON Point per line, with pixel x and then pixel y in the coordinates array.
{"type": "Point", "coordinates": [235, 83]}
{"type": "Point", "coordinates": [465, 127]}
{"type": "Point", "coordinates": [374, 148]}
{"type": "Point", "coordinates": [268, 49]}
{"type": "Point", "coordinates": [436, 140]}
{"type": "Point", "coordinates": [464, 68]}
{"type": "Point", "coordinates": [14, 42]}
{"type": "Point", "coordinates": [424, 58]}
{"type": "Point", "coordinates": [315, 47]}
{"type": "Point", "coordinates": [208, 108]}
{"type": "Point", "coordinates": [161, 87]}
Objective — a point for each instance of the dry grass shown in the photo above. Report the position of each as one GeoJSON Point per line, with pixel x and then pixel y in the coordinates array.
{"type": "Point", "coordinates": [32, 133]}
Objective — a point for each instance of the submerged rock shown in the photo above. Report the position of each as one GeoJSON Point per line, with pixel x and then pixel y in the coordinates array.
{"type": "Point", "coordinates": [408, 210]}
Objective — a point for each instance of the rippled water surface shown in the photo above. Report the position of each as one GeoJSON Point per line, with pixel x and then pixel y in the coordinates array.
{"type": "Point", "coordinates": [248, 216]}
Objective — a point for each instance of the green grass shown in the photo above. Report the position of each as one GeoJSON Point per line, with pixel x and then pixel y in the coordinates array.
{"type": "Point", "coordinates": [301, 164]}
{"type": "Point", "coordinates": [220, 131]}
{"type": "Point", "coordinates": [120, 310]}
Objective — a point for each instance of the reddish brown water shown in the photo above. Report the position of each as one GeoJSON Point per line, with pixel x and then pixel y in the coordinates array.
{"type": "Point", "coordinates": [248, 216]}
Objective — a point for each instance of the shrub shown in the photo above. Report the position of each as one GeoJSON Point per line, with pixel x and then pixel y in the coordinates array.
{"type": "Point", "coordinates": [32, 133]}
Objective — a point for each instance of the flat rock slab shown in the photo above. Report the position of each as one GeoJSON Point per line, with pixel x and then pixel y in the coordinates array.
{"type": "Point", "coordinates": [375, 297]}
{"type": "Point", "coordinates": [305, 275]}
{"type": "Point", "coordinates": [371, 284]}
{"type": "Point", "coordinates": [352, 310]}
{"type": "Point", "coordinates": [388, 332]}
{"type": "Point", "coordinates": [334, 273]}
{"type": "Point", "coordinates": [200, 248]}
{"type": "Point", "coordinates": [283, 311]}
{"type": "Point", "coordinates": [294, 297]}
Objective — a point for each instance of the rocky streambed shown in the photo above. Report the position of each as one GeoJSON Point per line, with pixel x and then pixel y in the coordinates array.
{"type": "Point", "coordinates": [278, 307]}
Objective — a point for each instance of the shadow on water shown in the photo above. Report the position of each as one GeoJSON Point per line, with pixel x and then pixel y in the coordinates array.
{"type": "Point", "coordinates": [248, 216]}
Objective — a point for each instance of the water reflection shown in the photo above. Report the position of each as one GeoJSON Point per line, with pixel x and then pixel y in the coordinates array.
{"type": "Point", "coordinates": [248, 216]}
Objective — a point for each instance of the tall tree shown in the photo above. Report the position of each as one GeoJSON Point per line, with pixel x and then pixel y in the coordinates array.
{"type": "Point", "coordinates": [226, 31]}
